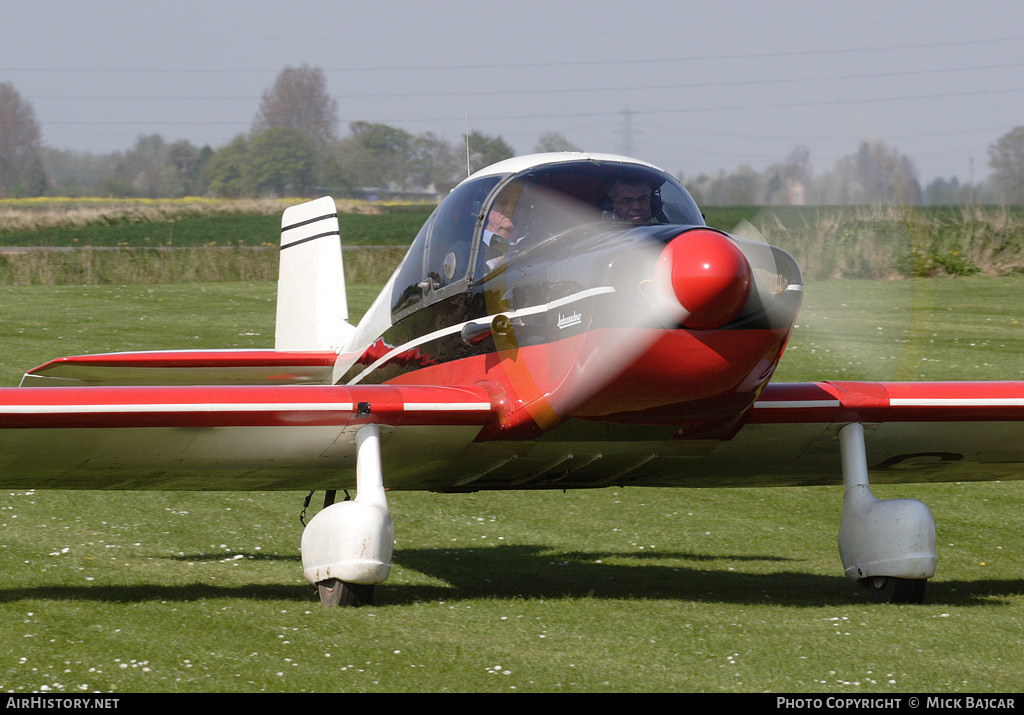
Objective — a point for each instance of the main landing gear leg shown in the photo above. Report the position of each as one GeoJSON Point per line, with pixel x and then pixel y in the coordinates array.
{"type": "Point", "coordinates": [887, 545]}
{"type": "Point", "coordinates": [347, 547]}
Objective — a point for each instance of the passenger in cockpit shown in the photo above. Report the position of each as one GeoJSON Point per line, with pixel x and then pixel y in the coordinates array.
{"type": "Point", "coordinates": [631, 200]}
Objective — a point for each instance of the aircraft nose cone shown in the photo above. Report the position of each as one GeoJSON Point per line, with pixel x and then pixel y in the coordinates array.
{"type": "Point", "coordinates": [707, 274]}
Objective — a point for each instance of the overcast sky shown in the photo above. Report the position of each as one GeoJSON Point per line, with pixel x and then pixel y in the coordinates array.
{"type": "Point", "coordinates": [691, 87]}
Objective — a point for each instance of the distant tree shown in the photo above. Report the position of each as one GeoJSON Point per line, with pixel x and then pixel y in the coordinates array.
{"type": "Point", "coordinates": [375, 155]}
{"type": "Point", "coordinates": [434, 162]}
{"type": "Point", "coordinates": [885, 174]}
{"type": "Point", "coordinates": [743, 187]}
{"type": "Point", "coordinates": [198, 176]}
{"type": "Point", "coordinates": [869, 173]}
{"type": "Point", "coordinates": [281, 162]}
{"type": "Point", "coordinates": [142, 164]}
{"type": "Point", "coordinates": [782, 177]}
{"type": "Point", "coordinates": [181, 170]}
{"type": "Point", "coordinates": [226, 171]}
{"type": "Point", "coordinates": [388, 158]}
{"type": "Point", "coordinates": [944, 192]}
{"type": "Point", "coordinates": [298, 100]}
{"type": "Point", "coordinates": [697, 186]}
{"type": "Point", "coordinates": [776, 191]}
{"type": "Point", "coordinates": [553, 141]}
{"type": "Point", "coordinates": [740, 188]}
{"type": "Point", "coordinates": [486, 150]}
{"type": "Point", "coordinates": [155, 168]}
{"type": "Point", "coordinates": [798, 164]}
{"type": "Point", "coordinates": [876, 173]}
{"type": "Point", "coordinates": [21, 166]}
{"type": "Point", "coordinates": [381, 138]}
{"type": "Point", "coordinates": [76, 174]}
{"type": "Point", "coordinates": [1006, 157]}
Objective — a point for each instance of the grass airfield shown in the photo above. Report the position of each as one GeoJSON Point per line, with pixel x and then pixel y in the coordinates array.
{"type": "Point", "coordinates": [611, 590]}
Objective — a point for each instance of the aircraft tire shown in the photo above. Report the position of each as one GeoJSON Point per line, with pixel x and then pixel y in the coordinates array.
{"type": "Point", "coordinates": [889, 589]}
{"type": "Point", "coordinates": [335, 593]}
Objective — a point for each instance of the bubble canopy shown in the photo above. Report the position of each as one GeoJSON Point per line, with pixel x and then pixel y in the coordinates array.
{"type": "Point", "coordinates": [524, 201]}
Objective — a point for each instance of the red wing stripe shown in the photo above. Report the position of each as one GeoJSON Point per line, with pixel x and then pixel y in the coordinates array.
{"type": "Point", "coordinates": [130, 408]}
{"type": "Point", "coordinates": [22, 408]}
{"type": "Point", "coordinates": [826, 402]}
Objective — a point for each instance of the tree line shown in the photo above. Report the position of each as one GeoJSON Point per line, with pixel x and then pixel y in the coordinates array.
{"type": "Point", "coordinates": [293, 149]}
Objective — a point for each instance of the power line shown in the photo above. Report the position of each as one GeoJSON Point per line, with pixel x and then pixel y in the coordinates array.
{"type": "Point", "coordinates": [559, 91]}
{"type": "Point", "coordinates": [547, 64]}
{"type": "Point", "coordinates": [649, 112]}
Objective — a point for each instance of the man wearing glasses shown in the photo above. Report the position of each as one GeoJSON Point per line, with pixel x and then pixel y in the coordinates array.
{"type": "Point", "coordinates": [631, 201]}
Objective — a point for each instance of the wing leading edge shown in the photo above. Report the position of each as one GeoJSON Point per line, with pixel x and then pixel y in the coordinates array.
{"type": "Point", "coordinates": [913, 432]}
{"type": "Point", "coordinates": [185, 367]}
{"type": "Point", "coordinates": [217, 437]}
{"type": "Point", "coordinates": [302, 436]}
{"type": "Point", "coordinates": [890, 402]}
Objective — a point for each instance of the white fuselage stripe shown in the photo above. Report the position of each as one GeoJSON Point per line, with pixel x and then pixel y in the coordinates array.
{"type": "Point", "coordinates": [444, 407]}
{"type": "Point", "coordinates": [451, 329]}
{"type": "Point", "coordinates": [796, 404]}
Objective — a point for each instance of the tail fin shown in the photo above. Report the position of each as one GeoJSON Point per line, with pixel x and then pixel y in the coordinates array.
{"type": "Point", "coordinates": [312, 305]}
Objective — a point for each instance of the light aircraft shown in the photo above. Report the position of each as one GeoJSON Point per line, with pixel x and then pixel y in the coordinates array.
{"type": "Point", "coordinates": [561, 321]}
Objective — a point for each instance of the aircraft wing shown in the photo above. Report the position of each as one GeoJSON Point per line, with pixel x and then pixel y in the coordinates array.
{"type": "Point", "coordinates": [914, 432]}
{"type": "Point", "coordinates": [193, 437]}
{"type": "Point", "coordinates": [253, 420]}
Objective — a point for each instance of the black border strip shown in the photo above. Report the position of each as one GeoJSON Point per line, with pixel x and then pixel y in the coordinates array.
{"type": "Point", "coordinates": [309, 221]}
{"type": "Point", "coordinates": [311, 238]}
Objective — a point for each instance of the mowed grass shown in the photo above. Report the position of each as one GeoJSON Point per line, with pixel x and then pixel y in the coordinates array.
{"type": "Point", "coordinates": [620, 590]}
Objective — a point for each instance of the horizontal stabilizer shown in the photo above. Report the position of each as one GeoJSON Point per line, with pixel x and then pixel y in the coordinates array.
{"type": "Point", "coordinates": [185, 367]}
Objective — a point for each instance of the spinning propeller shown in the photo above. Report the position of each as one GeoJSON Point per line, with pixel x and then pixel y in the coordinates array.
{"type": "Point", "coordinates": [863, 304]}
{"type": "Point", "coordinates": [641, 286]}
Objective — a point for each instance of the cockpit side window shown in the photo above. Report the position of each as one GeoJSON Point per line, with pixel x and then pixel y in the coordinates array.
{"type": "Point", "coordinates": [505, 228]}
{"type": "Point", "coordinates": [677, 206]}
{"type": "Point", "coordinates": [448, 249]}
{"type": "Point", "coordinates": [409, 285]}
{"type": "Point", "coordinates": [439, 255]}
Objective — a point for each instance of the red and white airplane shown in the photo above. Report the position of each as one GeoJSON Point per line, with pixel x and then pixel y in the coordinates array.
{"type": "Point", "coordinates": [561, 321]}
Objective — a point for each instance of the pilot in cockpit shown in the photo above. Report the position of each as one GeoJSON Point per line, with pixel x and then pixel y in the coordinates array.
{"type": "Point", "coordinates": [499, 222]}
{"type": "Point", "coordinates": [499, 234]}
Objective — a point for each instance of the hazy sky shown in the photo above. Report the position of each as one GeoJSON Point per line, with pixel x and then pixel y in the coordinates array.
{"type": "Point", "coordinates": [692, 87]}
